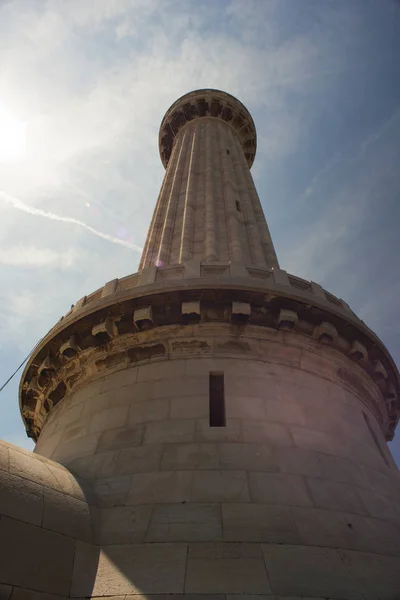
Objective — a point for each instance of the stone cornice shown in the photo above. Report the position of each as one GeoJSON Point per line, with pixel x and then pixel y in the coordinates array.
{"type": "Point", "coordinates": [118, 316]}
{"type": "Point", "coordinates": [208, 103]}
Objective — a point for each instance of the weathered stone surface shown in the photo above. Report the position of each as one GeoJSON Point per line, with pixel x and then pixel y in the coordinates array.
{"type": "Point", "coordinates": [121, 437]}
{"type": "Point", "coordinates": [229, 568]}
{"type": "Point", "coordinates": [48, 570]}
{"type": "Point", "coordinates": [190, 456]}
{"type": "Point", "coordinates": [196, 407]}
{"type": "Point", "coordinates": [185, 523]}
{"type": "Point", "coordinates": [108, 419]}
{"type": "Point", "coordinates": [124, 524]}
{"type": "Point", "coordinates": [148, 410]}
{"type": "Point", "coordinates": [231, 433]}
{"type": "Point", "coordinates": [141, 568]}
{"type": "Point", "coordinates": [138, 460]}
{"type": "Point", "coordinates": [162, 487]}
{"type": "Point", "coordinates": [65, 514]}
{"type": "Point", "coordinates": [377, 576]}
{"type": "Point", "coordinates": [335, 496]}
{"type": "Point", "coordinates": [308, 571]}
{"type": "Point", "coordinates": [258, 523]}
{"type": "Point", "coordinates": [279, 488]}
{"type": "Point", "coordinates": [275, 434]}
{"type": "Point", "coordinates": [86, 561]}
{"type": "Point", "coordinates": [21, 499]}
{"type": "Point", "coordinates": [175, 430]}
{"type": "Point", "coordinates": [220, 486]}
{"type": "Point", "coordinates": [249, 457]}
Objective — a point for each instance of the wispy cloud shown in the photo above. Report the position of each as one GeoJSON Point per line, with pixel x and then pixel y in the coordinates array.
{"type": "Point", "coordinates": [19, 205]}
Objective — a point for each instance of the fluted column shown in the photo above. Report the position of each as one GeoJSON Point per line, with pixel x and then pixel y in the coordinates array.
{"type": "Point", "coordinates": [208, 208]}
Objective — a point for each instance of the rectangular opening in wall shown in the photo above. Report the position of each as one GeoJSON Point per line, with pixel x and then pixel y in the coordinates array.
{"type": "Point", "coordinates": [217, 399]}
{"type": "Point", "coordinates": [375, 438]}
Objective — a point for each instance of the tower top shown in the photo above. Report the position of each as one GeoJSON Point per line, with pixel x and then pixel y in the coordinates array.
{"type": "Point", "coordinates": [208, 103]}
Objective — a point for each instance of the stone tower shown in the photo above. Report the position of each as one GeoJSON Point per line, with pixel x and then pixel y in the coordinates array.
{"type": "Point", "coordinates": [211, 424]}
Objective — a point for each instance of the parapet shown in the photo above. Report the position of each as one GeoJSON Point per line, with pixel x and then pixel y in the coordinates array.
{"type": "Point", "coordinates": [116, 327]}
{"type": "Point", "coordinates": [208, 103]}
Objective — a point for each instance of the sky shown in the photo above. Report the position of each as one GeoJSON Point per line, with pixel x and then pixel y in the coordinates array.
{"type": "Point", "coordinates": [83, 87]}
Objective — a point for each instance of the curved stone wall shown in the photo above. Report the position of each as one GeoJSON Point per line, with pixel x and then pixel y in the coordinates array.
{"type": "Point", "coordinates": [300, 481]}
{"type": "Point", "coordinates": [45, 521]}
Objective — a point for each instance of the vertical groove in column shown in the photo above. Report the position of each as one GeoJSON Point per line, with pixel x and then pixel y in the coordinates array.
{"type": "Point", "coordinates": [167, 232]}
{"type": "Point", "coordinates": [211, 248]}
{"type": "Point", "coordinates": [190, 198]}
{"type": "Point", "coordinates": [266, 240]}
{"type": "Point", "coordinates": [252, 231]}
{"type": "Point", "coordinates": [154, 235]}
{"type": "Point", "coordinates": [230, 195]}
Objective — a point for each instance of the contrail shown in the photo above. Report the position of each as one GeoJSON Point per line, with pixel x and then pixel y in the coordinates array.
{"type": "Point", "coordinates": [18, 204]}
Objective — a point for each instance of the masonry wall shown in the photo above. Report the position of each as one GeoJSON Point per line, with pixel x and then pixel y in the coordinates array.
{"type": "Point", "coordinates": [297, 496]}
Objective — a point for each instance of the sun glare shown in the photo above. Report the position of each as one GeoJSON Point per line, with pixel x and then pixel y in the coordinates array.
{"type": "Point", "coordinates": [12, 137]}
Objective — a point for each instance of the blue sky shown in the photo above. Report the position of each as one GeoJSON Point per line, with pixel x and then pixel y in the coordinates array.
{"type": "Point", "coordinates": [87, 83]}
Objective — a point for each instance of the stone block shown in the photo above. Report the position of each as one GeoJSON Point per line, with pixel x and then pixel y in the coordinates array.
{"type": "Point", "coordinates": [240, 407]}
{"type": "Point", "coordinates": [317, 441]}
{"type": "Point", "coordinates": [138, 460]}
{"type": "Point", "coordinates": [20, 499]}
{"type": "Point", "coordinates": [24, 594]}
{"type": "Point", "coordinates": [220, 486]}
{"type": "Point", "coordinates": [317, 521]}
{"type": "Point", "coordinates": [318, 365]}
{"type": "Point", "coordinates": [278, 488]}
{"type": "Point", "coordinates": [190, 456]}
{"type": "Point", "coordinates": [65, 481]}
{"type": "Point", "coordinates": [297, 461]}
{"type": "Point", "coordinates": [190, 386]}
{"type": "Point", "coordinates": [48, 570]}
{"type": "Point", "coordinates": [159, 488]}
{"type": "Point", "coordinates": [96, 404]}
{"type": "Point", "coordinates": [67, 515]}
{"type": "Point", "coordinates": [232, 432]}
{"type": "Point", "coordinates": [124, 524]}
{"type": "Point", "coordinates": [185, 523]}
{"type": "Point", "coordinates": [304, 571]}
{"type": "Point", "coordinates": [121, 437]}
{"type": "Point", "coordinates": [332, 495]}
{"type": "Point", "coordinates": [377, 576]}
{"type": "Point", "coordinates": [258, 523]}
{"type": "Point", "coordinates": [141, 569]}
{"type": "Point", "coordinates": [84, 446]}
{"type": "Point", "coordinates": [379, 506]}
{"type": "Point", "coordinates": [275, 434]}
{"type": "Point", "coordinates": [339, 469]}
{"type": "Point", "coordinates": [163, 369]}
{"type": "Point", "coordinates": [261, 387]}
{"type": "Point", "coordinates": [226, 568]}
{"type": "Point", "coordinates": [74, 432]}
{"type": "Point", "coordinates": [108, 419]}
{"type": "Point", "coordinates": [174, 430]}
{"type": "Point", "coordinates": [29, 466]}
{"type": "Point", "coordinates": [47, 444]}
{"type": "Point", "coordinates": [247, 457]}
{"type": "Point", "coordinates": [85, 569]}
{"type": "Point", "coordinates": [118, 380]}
{"type": "Point", "coordinates": [148, 410]}
{"type": "Point", "coordinates": [187, 407]}
{"type": "Point", "coordinates": [111, 491]}
{"type": "Point", "coordinates": [96, 466]}
{"type": "Point", "coordinates": [72, 415]}
{"type": "Point", "coordinates": [284, 412]}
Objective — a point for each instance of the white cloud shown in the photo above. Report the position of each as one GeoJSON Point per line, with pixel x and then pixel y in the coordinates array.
{"type": "Point", "coordinates": [29, 256]}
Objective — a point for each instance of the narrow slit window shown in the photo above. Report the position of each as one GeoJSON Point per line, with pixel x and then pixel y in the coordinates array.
{"type": "Point", "coordinates": [217, 400]}
{"type": "Point", "coordinates": [375, 438]}
{"type": "Point", "coordinates": [227, 151]}
{"type": "Point", "coordinates": [238, 207]}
